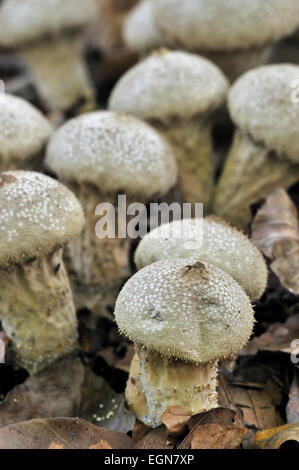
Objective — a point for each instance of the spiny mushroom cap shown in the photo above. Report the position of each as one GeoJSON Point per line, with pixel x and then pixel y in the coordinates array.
{"type": "Point", "coordinates": [23, 21]}
{"type": "Point", "coordinates": [260, 104]}
{"type": "Point", "coordinates": [113, 151]}
{"type": "Point", "coordinates": [210, 240]}
{"type": "Point", "coordinates": [24, 131]}
{"type": "Point", "coordinates": [218, 25]}
{"type": "Point", "coordinates": [37, 215]}
{"type": "Point", "coordinates": [185, 309]}
{"type": "Point", "coordinates": [140, 32]}
{"type": "Point", "coordinates": [170, 84]}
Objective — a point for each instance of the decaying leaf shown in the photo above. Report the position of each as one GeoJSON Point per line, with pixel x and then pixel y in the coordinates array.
{"type": "Point", "coordinates": [67, 388]}
{"type": "Point", "coordinates": [275, 230]}
{"type": "Point", "coordinates": [54, 446]}
{"type": "Point", "coordinates": [148, 438]}
{"type": "Point", "coordinates": [175, 420]}
{"type": "Point", "coordinates": [216, 429]}
{"type": "Point", "coordinates": [278, 337]}
{"type": "Point", "coordinates": [71, 433]}
{"type": "Point", "coordinates": [276, 437]}
{"type": "Point", "coordinates": [100, 445]}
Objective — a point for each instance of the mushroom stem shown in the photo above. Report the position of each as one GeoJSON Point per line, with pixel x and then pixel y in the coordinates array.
{"type": "Point", "coordinates": [97, 267]}
{"type": "Point", "coordinates": [192, 145]}
{"type": "Point", "coordinates": [60, 74]}
{"type": "Point", "coordinates": [156, 383]}
{"type": "Point", "coordinates": [251, 172]}
{"type": "Point", "coordinates": [37, 311]}
{"type": "Point", "coordinates": [235, 63]}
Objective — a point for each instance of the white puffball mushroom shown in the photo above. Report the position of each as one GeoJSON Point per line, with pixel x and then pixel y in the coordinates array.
{"type": "Point", "coordinates": [183, 316]}
{"type": "Point", "coordinates": [209, 240]}
{"type": "Point", "coordinates": [24, 133]}
{"type": "Point", "coordinates": [48, 34]}
{"type": "Point", "coordinates": [179, 94]}
{"type": "Point", "coordinates": [38, 217]}
{"type": "Point", "coordinates": [265, 152]}
{"type": "Point", "coordinates": [99, 156]}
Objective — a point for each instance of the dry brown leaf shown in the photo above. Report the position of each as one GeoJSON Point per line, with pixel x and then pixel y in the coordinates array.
{"type": "Point", "coordinates": [100, 445]}
{"type": "Point", "coordinates": [55, 446]}
{"type": "Point", "coordinates": [278, 337]}
{"type": "Point", "coordinates": [275, 230]}
{"type": "Point", "coordinates": [276, 437]}
{"type": "Point", "coordinates": [216, 436]}
{"type": "Point", "coordinates": [175, 420]}
{"type": "Point", "coordinates": [71, 433]}
{"type": "Point", "coordinates": [148, 438]}
{"type": "Point", "coordinates": [222, 425]}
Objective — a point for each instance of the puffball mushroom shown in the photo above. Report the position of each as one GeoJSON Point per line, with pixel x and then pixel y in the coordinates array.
{"type": "Point", "coordinates": [24, 133]}
{"type": "Point", "coordinates": [38, 216]}
{"type": "Point", "coordinates": [99, 156]}
{"type": "Point", "coordinates": [183, 316]}
{"type": "Point", "coordinates": [139, 31]}
{"type": "Point", "coordinates": [178, 93]}
{"type": "Point", "coordinates": [235, 34]}
{"type": "Point", "coordinates": [265, 151]}
{"type": "Point", "coordinates": [210, 240]}
{"type": "Point", "coordinates": [48, 35]}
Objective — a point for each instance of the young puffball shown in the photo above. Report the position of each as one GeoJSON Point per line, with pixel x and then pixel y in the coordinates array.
{"type": "Point", "coordinates": [235, 34]}
{"type": "Point", "coordinates": [140, 32]}
{"type": "Point", "coordinates": [99, 156]}
{"type": "Point", "coordinates": [265, 152]}
{"type": "Point", "coordinates": [48, 35]}
{"type": "Point", "coordinates": [38, 216]}
{"type": "Point", "coordinates": [183, 316]}
{"type": "Point", "coordinates": [209, 240]}
{"type": "Point", "coordinates": [178, 93]}
{"type": "Point", "coordinates": [24, 133]}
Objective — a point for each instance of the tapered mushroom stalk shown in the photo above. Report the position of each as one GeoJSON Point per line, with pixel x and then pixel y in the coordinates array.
{"type": "Point", "coordinates": [24, 133]}
{"type": "Point", "coordinates": [99, 156]}
{"type": "Point", "coordinates": [209, 240]}
{"type": "Point", "coordinates": [265, 151]}
{"type": "Point", "coordinates": [183, 316]}
{"type": "Point", "coordinates": [38, 216]}
{"type": "Point", "coordinates": [179, 94]}
{"type": "Point", "coordinates": [48, 34]}
{"type": "Point", "coordinates": [237, 35]}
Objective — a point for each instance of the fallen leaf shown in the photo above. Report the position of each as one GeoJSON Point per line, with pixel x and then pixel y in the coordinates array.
{"type": "Point", "coordinates": [176, 420]}
{"type": "Point", "coordinates": [101, 445]}
{"type": "Point", "coordinates": [67, 388]}
{"type": "Point", "coordinates": [278, 337]}
{"type": "Point", "coordinates": [216, 436]}
{"type": "Point", "coordinates": [149, 438]}
{"type": "Point", "coordinates": [276, 437]}
{"type": "Point", "coordinates": [220, 428]}
{"type": "Point", "coordinates": [292, 408]}
{"type": "Point", "coordinates": [275, 230]}
{"type": "Point", "coordinates": [71, 433]}
{"type": "Point", "coordinates": [55, 446]}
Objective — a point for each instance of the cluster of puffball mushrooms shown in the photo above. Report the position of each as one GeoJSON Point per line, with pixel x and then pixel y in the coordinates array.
{"type": "Point", "coordinates": [189, 305]}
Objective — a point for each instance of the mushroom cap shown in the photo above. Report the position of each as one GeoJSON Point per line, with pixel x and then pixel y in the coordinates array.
{"type": "Point", "coordinates": [24, 131]}
{"type": "Point", "coordinates": [218, 25]}
{"type": "Point", "coordinates": [260, 104]}
{"type": "Point", "coordinates": [113, 151]}
{"type": "Point", "coordinates": [185, 309]}
{"type": "Point", "coordinates": [28, 20]}
{"type": "Point", "coordinates": [210, 240]}
{"type": "Point", "coordinates": [37, 216]}
{"type": "Point", "coordinates": [170, 84]}
{"type": "Point", "coordinates": [139, 31]}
